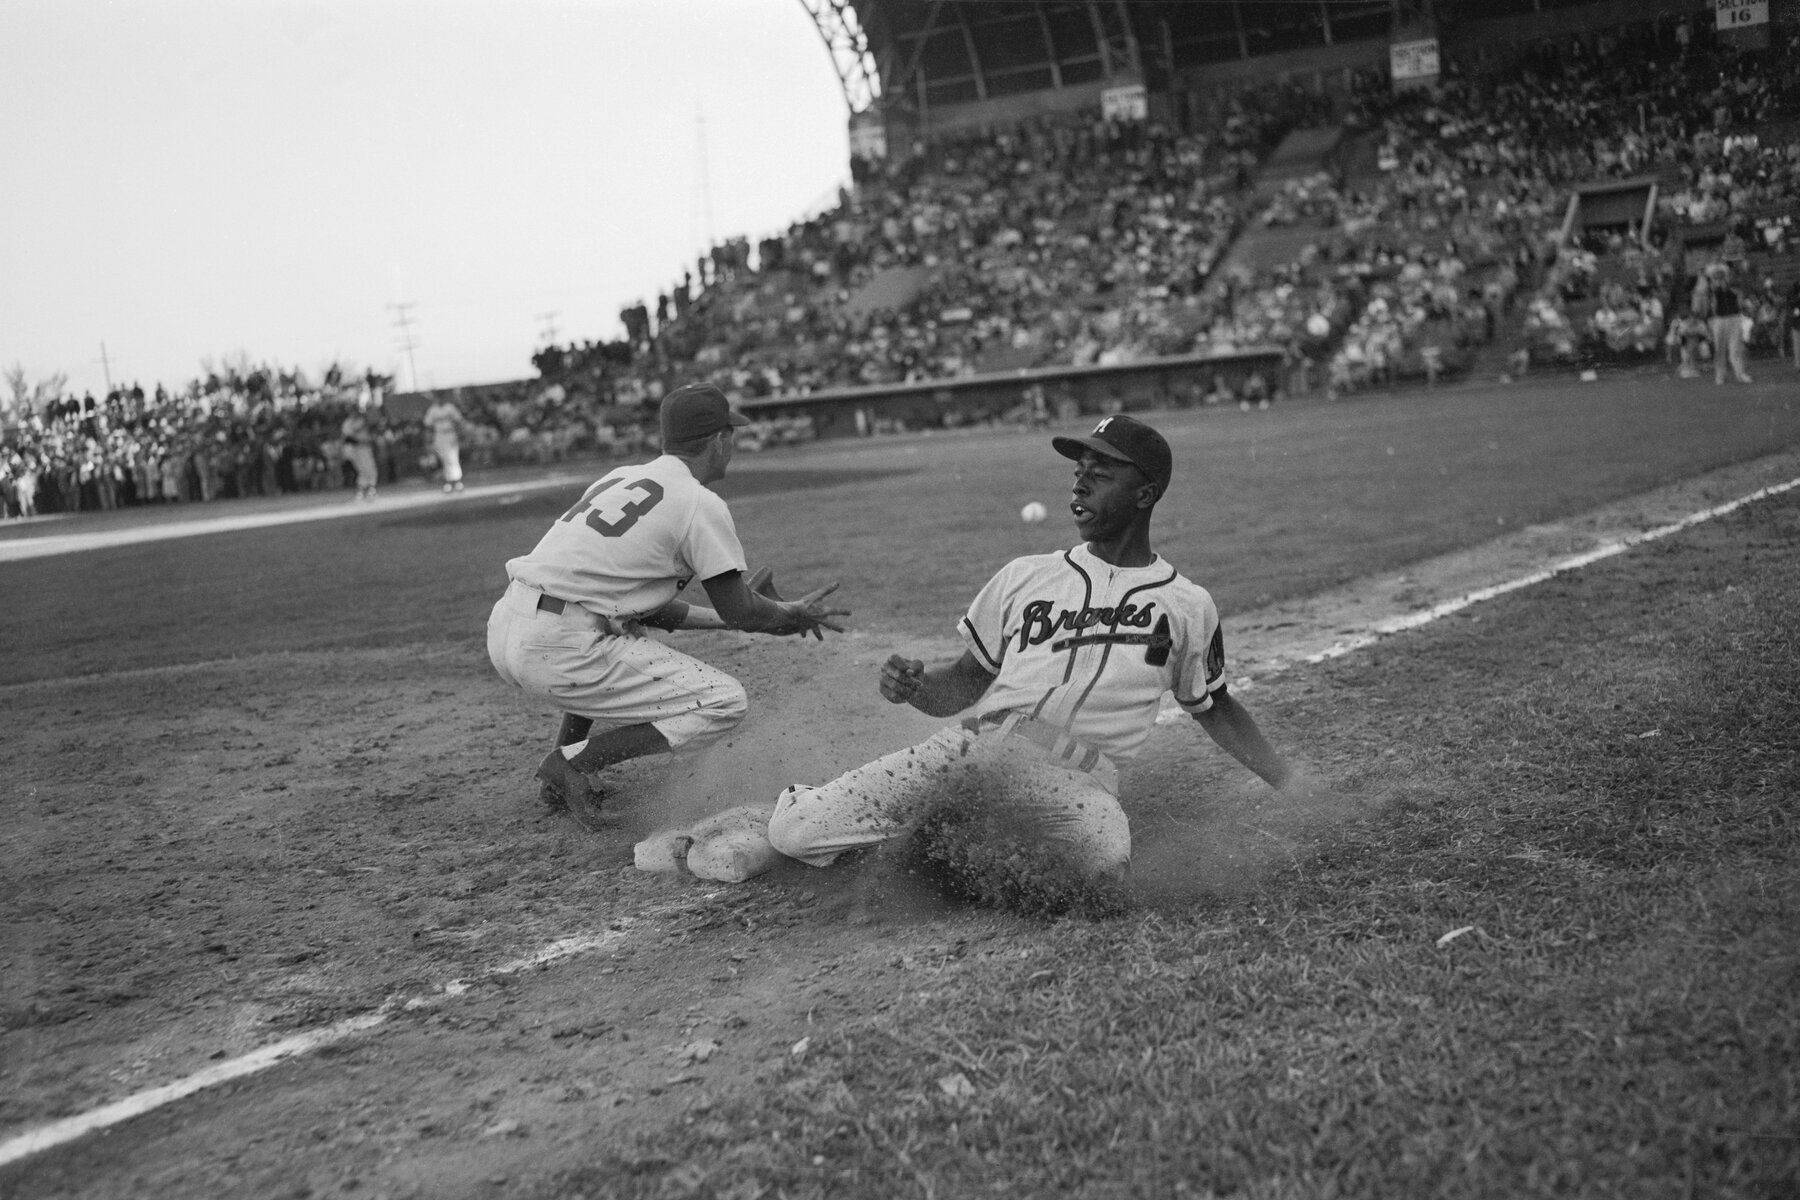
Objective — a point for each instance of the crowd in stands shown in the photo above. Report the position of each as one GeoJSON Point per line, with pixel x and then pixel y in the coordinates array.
{"type": "Point", "coordinates": [1075, 241]}
{"type": "Point", "coordinates": [234, 433]}
{"type": "Point", "coordinates": [1058, 241]}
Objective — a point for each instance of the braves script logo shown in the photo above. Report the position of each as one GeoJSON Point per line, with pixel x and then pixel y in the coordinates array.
{"type": "Point", "coordinates": [1039, 623]}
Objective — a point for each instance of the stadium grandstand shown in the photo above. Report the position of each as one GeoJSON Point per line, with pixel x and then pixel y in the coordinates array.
{"type": "Point", "coordinates": [1059, 207]}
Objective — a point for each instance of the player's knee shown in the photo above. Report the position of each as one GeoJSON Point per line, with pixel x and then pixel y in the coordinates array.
{"type": "Point", "coordinates": [728, 704]}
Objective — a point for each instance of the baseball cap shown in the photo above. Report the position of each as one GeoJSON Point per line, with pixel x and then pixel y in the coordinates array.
{"type": "Point", "coordinates": [1129, 440]}
{"type": "Point", "coordinates": [695, 410]}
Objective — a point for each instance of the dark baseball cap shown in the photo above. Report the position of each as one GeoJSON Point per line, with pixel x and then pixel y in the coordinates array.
{"type": "Point", "coordinates": [1129, 440]}
{"type": "Point", "coordinates": [695, 410]}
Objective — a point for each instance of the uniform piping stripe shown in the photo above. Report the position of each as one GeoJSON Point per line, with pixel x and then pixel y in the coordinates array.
{"type": "Point", "coordinates": [1106, 653]}
{"type": "Point", "coordinates": [980, 648]}
{"type": "Point", "coordinates": [1087, 599]}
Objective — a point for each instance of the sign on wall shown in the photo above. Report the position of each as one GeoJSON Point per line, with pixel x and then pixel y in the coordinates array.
{"type": "Point", "coordinates": [1414, 62]}
{"type": "Point", "coordinates": [868, 136]}
{"type": "Point", "coordinates": [1741, 14]}
{"type": "Point", "coordinates": [1127, 102]}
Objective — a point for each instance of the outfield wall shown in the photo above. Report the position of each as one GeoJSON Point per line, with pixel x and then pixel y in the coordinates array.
{"type": "Point", "coordinates": [1067, 392]}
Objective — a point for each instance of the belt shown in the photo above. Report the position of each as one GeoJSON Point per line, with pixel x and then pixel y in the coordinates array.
{"type": "Point", "coordinates": [1071, 751]}
{"type": "Point", "coordinates": [617, 626]}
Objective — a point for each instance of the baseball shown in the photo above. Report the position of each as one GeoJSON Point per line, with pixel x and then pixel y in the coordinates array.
{"type": "Point", "coordinates": [1032, 513]}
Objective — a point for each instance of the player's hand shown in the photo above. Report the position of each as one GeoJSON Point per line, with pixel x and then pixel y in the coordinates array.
{"type": "Point", "coordinates": [809, 615]}
{"type": "Point", "coordinates": [902, 679]}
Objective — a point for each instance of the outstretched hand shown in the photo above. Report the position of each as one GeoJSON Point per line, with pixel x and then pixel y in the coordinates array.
{"type": "Point", "coordinates": [809, 615]}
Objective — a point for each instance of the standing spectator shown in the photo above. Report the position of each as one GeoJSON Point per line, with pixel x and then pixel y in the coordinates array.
{"type": "Point", "coordinates": [1793, 322]}
{"type": "Point", "coordinates": [359, 450]}
{"type": "Point", "coordinates": [1727, 324]}
{"type": "Point", "coordinates": [445, 421]}
{"type": "Point", "coordinates": [25, 485]}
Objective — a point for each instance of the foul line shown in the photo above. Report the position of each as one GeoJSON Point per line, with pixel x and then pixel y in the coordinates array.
{"type": "Point", "coordinates": [1574, 562]}
{"type": "Point", "coordinates": [56, 1133]}
{"type": "Point", "coordinates": [1172, 714]}
{"type": "Point", "coordinates": [335, 507]}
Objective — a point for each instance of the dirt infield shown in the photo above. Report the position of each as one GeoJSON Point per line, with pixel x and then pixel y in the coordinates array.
{"type": "Point", "coordinates": [214, 852]}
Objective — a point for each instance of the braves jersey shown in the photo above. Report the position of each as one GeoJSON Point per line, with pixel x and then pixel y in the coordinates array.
{"type": "Point", "coordinates": [634, 539]}
{"type": "Point", "coordinates": [1091, 648]}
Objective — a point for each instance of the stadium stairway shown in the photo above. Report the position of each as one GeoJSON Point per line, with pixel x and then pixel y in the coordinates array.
{"type": "Point", "coordinates": [1301, 153]}
{"type": "Point", "coordinates": [890, 289]}
{"type": "Point", "coordinates": [1259, 248]}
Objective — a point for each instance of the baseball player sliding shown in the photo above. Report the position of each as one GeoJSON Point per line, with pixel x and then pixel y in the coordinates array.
{"type": "Point", "coordinates": [569, 627]}
{"type": "Point", "coordinates": [1068, 656]}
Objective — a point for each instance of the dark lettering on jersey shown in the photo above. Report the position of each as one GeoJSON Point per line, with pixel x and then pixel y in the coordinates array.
{"type": "Point", "coordinates": [1215, 655]}
{"type": "Point", "coordinates": [629, 512]}
{"type": "Point", "coordinates": [1159, 643]}
{"type": "Point", "coordinates": [1040, 622]}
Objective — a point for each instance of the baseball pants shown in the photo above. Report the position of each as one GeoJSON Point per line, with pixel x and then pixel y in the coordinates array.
{"type": "Point", "coordinates": [449, 454]}
{"type": "Point", "coordinates": [363, 459]}
{"type": "Point", "coordinates": [1074, 809]}
{"type": "Point", "coordinates": [609, 671]}
{"type": "Point", "coordinates": [1728, 348]}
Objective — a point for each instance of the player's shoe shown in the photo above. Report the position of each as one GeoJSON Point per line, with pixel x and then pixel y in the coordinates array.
{"type": "Point", "coordinates": [574, 790]}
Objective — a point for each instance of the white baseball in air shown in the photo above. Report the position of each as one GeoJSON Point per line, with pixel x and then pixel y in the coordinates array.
{"type": "Point", "coordinates": [1032, 513]}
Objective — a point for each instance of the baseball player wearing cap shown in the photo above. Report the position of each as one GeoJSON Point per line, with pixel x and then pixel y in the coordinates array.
{"type": "Point", "coordinates": [570, 626]}
{"type": "Point", "coordinates": [1068, 656]}
{"type": "Point", "coordinates": [359, 448]}
{"type": "Point", "coordinates": [445, 421]}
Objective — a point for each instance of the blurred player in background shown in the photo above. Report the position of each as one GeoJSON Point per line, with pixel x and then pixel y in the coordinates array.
{"type": "Point", "coordinates": [570, 627]}
{"type": "Point", "coordinates": [444, 421]}
{"type": "Point", "coordinates": [1068, 657]}
{"type": "Point", "coordinates": [359, 450]}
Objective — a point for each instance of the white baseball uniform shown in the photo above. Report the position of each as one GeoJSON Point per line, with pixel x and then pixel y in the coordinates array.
{"type": "Point", "coordinates": [1082, 653]}
{"type": "Point", "coordinates": [568, 629]}
{"type": "Point", "coordinates": [444, 420]}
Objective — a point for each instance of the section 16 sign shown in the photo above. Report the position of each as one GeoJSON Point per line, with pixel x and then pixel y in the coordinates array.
{"type": "Point", "coordinates": [1740, 14]}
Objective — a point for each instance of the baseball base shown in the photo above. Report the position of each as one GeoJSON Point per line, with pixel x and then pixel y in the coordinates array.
{"type": "Point", "coordinates": [728, 848]}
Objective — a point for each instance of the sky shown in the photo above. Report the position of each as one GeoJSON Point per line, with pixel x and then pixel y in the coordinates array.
{"type": "Point", "coordinates": [182, 181]}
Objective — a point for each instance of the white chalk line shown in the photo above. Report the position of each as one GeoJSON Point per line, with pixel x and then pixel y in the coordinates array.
{"type": "Point", "coordinates": [1574, 562]}
{"type": "Point", "coordinates": [1389, 626]}
{"type": "Point", "coordinates": [72, 1128]}
{"type": "Point", "coordinates": [68, 1129]}
{"type": "Point", "coordinates": [19, 549]}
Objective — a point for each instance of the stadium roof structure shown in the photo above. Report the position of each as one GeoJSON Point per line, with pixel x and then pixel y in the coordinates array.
{"type": "Point", "coordinates": [930, 53]}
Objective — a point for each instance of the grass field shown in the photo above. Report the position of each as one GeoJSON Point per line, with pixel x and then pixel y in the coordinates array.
{"type": "Point", "coordinates": [263, 781]}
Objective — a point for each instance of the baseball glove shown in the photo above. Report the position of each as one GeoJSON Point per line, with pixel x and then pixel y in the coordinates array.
{"type": "Point", "coordinates": [762, 582]}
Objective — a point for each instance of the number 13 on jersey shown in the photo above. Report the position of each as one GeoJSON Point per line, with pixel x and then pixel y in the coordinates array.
{"type": "Point", "coordinates": [616, 513]}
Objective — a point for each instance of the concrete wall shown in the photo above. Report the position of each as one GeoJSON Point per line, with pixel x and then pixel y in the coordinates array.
{"type": "Point", "coordinates": [1009, 110]}
{"type": "Point", "coordinates": [1156, 383]}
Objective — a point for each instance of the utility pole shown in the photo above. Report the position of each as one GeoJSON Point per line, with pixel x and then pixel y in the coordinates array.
{"type": "Point", "coordinates": [547, 323]}
{"type": "Point", "coordinates": [106, 368]}
{"type": "Point", "coordinates": [404, 340]}
{"type": "Point", "coordinates": [706, 213]}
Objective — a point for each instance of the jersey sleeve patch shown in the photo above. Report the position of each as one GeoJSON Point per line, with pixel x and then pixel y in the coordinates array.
{"type": "Point", "coordinates": [1215, 659]}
